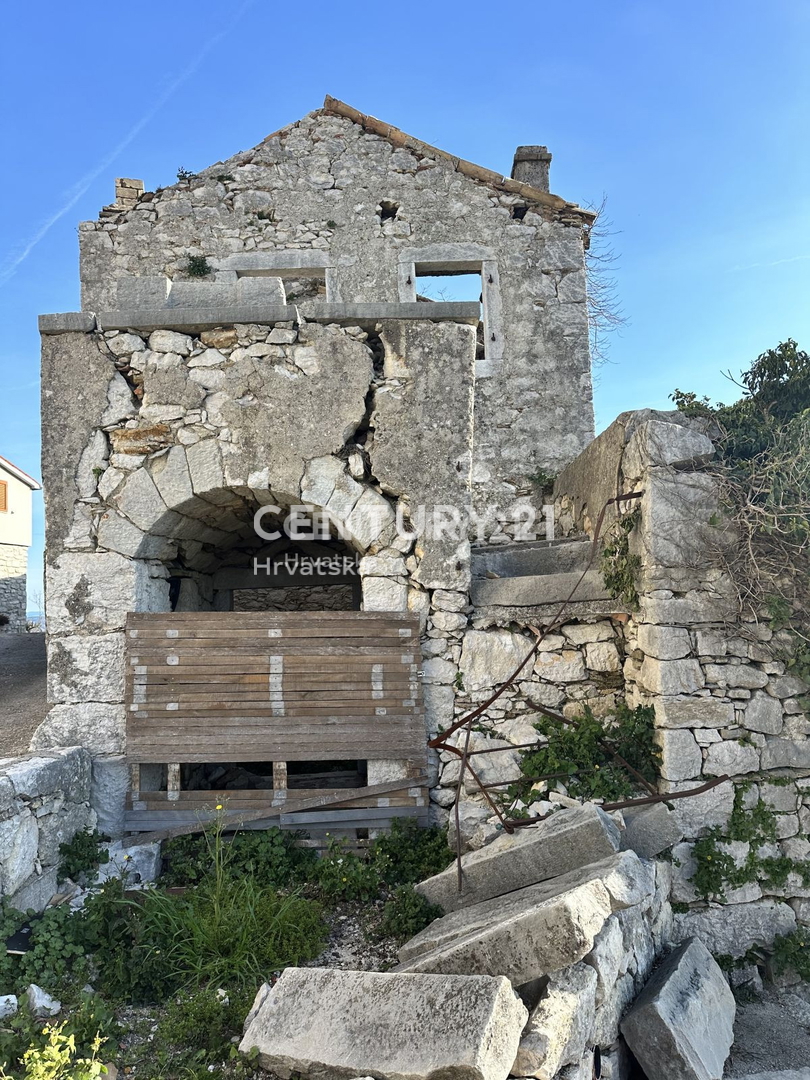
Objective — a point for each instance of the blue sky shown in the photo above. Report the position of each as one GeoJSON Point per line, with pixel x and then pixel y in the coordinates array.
{"type": "Point", "coordinates": [691, 118]}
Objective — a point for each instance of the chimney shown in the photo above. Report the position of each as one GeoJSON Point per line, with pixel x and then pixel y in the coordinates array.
{"type": "Point", "coordinates": [531, 166]}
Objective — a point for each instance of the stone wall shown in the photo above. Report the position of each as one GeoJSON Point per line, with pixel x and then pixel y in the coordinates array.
{"type": "Point", "coordinates": [329, 200]}
{"type": "Point", "coordinates": [300, 598]}
{"type": "Point", "coordinates": [44, 801]}
{"type": "Point", "coordinates": [13, 567]}
{"type": "Point", "coordinates": [715, 674]}
{"type": "Point", "coordinates": [174, 441]}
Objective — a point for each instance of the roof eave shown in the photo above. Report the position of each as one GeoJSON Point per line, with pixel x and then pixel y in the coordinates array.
{"type": "Point", "coordinates": [335, 107]}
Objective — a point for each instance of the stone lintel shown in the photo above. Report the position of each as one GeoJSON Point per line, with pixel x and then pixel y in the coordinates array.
{"type": "Point", "coordinates": [192, 320]}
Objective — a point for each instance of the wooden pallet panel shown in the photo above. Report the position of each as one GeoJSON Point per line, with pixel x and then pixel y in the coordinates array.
{"type": "Point", "coordinates": [273, 686]}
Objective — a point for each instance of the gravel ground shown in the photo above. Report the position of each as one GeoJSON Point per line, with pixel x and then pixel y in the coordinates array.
{"type": "Point", "coordinates": [772, 1033]}
{"type": "Point", "coordinates": [23, 703]}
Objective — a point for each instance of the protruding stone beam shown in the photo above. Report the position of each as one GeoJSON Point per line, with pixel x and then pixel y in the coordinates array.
{"type": "Point", "coordinates": [193, 320]}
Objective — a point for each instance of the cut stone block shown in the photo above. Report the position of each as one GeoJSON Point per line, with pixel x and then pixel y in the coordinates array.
{"type": "Point", "coordinates": [318, 1022]}
{"type": "Point", "coordinates": [682, 1024]}
{"type": "Point", "coordinates": [567, 840]}
{"type": "Point", "coordinates": [560, 1027]}
{"type": "Point", "coordinates": [649, 830]}
{"type": "Point", "coordinates": [534, 931]}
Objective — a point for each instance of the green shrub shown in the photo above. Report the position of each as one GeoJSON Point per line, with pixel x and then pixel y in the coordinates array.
{"type": "Point", "coordinates": [58, 1060]}
{"type": "Point", "coordinates": [28, 1048]}
{"type": "Point", "coordinates": [235, 935]}
{"type": "Point", "coordinates": [620, 568]}
{"type": "Point", "coordinates": [271, 857]}
{"type": "Point", "coordinates": [409, 853]}
{"type": "Point", "coordinates": [81, 857]}
{"type": "Point", "coordinates": [340, 874]}
{"type": "Point", "coordinates": [406, 913]}
{"type": "Point", "coordinates": [197, 266]}
{"type": "Point", "coordinates": [793, 951]}
{"type": "Point", "coordinates": [580, 749]}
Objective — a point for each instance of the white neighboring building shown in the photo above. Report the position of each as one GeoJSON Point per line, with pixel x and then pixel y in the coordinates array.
{"type": "Point", "coordinates": [15, 540]}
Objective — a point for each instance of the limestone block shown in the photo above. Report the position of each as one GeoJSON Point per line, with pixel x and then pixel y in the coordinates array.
{"type": "Point", "coordinates": [95, 591]}
{"type": "Point", "coordinates": [565, 841]}
{"type": "Point", "coordinates": [501, 767]}
{"type": "Point", "coordinates": [738, 675]}
{"type": "Point", "coordinates": [40, 1003]}
{"type": "Point", "coordinates": [763, 713]}
{"type": "Point", "coordinates": [125, 344]}
{"type": "Point", "coordinates": [682, 1023]}
{"type": "Point", "coordinates": [65, 771]}
{"type": "Point", "coordinates": [656, 443]}
{"type": "Point", "coordinates": [371, 516]}
{"type": "Point", "coordinates": [169, 341]}
{"type": "Point", "coordinates": [8, 1005]}
{"type": "Point", "coordinates": [471, 818]}
{"type": "Point", "coordinates": [108, 794]}
{"type": "Point", "coordinates": [602, 656]}
{"type": "Point", "coordinates": [448, 600]}
{"type": "Point", "coordinates": [649, 830]}
{"type": "Point", "coordinates": [207, 358]}
{"type": "Point", "coordinates": [694, 712]}
{"type": "Point", "coordinates": [786, 754]}
{"type": "Point", "coordinates": [319, 1022]}
{"type": "Point", "coordinates": [61, 826]}
{"type": "Point", "coordinates": [86, 668]}
{"type": "Point", "coordinates": [559, 1028]}
{"type": "Point", "coordinates": [171, 476]}
{"type": "Point", "coordinates": [97, 727]}
{"type": "Point", "coordinates": [121, 404]}
{"type": "Point", "coordinates": [671, 676]}
{"type": "Point", "coordinates": [382, 565]}
{"type": "Point", "coordinates": [435, 670]}
{"type": "Point", "coordinates": [785, 686]}
{"type": "Point", "coordinates": [681, 758]}
{"type": "Point", "coordinates": [533, 931]}
{"type": "Point", "coordinates": [783, 798]}
{"type": "Point", "coordinates": [584, 633]}
{"type": "Point", "coordinates": [704, 811]}
{"type": "Point", "coordinates": [676, 511]}
{"type": "Point", "coordinates": [540, 693]}
{"type": "Point", "coordinates": [732, 758]}
{"type": "Point", "coordinates": [94, 457]}
{"type": "Point", "coordinates": [448, 621]}
{"type": "Point", "coordinates": [490, 657]}
{"type": "Point", "coordinates": [19, 837]}
{"type": "Point", "coordinates": [734, 929]}
{"type": "Point", "coordinates": [439, 702]}
{"type": "Point", "coordinates": [664, 642]}
{"type": "Point", "coordinates": [384, 594]}
{"type": "Point", "coordinates": [137, 864]}
{"type": "Point", "coordinates": [607, 958]}
{"type": "Point", "coordinates": [564, 667]}
{"type": "Point", "coordinates": [205, 468]}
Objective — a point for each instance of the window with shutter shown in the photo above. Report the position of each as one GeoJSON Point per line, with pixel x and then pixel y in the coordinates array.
{"type": "Point", "coordinates": [3, 497]}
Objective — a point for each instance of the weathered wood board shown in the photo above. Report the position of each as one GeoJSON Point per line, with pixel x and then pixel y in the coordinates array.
{"type": "Point", "coordinates": [268, 686]}
{"type": "Point", "coordinates": [275, 687]}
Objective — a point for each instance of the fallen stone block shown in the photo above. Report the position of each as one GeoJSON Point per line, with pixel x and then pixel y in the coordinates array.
{"type": "Point", "coordinates": [560, 1027]}
{"type": "Point", "coordinates": [321, 1021]}
{"type": "Point", "coordinates": [733, 929]}
{"type": "Point", "coordinates": [682, 1024]}
{"type": "Point", "coordinates": [40, 1003]}
{"type": "Point", "coordinates": [567, 840]}
{"type": "Point", "coordinates": [534, 931]}
{"type": "Point", "coordinates": [649, 830]}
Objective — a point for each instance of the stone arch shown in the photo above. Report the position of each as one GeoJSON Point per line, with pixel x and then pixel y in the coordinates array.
{"type": "Point", "coordinates": [185, 508]}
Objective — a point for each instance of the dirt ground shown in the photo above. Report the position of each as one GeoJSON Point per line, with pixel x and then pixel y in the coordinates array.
{"type": "Point", "coordinates": [23, 702]}
{"type": "Point", "coordinates": [772, 1034]}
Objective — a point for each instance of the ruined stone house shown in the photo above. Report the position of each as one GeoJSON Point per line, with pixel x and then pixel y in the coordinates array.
{"type": "Point", "coordinates": [256, 335]}
{"type": "Point", "coordinates": [253, 336]}
{"type": "Point", "coordinates": [16, 488]}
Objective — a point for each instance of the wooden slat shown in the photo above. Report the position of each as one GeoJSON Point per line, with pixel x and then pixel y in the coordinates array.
{"type": "Point", "coordinates": [274, 686]}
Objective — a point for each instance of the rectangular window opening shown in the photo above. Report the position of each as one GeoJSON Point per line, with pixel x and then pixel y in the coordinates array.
{"type": "Point", "coordinates": [452, 287]}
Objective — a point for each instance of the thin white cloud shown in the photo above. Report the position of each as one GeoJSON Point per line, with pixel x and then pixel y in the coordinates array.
{"type": "Point", "coordinates": [776, 262]}
{"type": "Point", "coordinates": [14, 259]}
